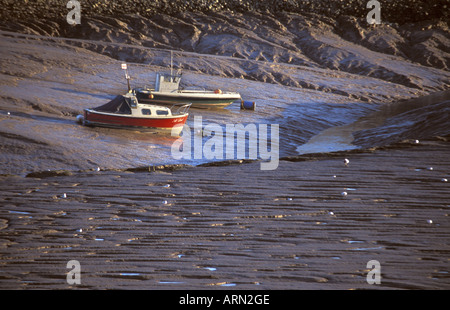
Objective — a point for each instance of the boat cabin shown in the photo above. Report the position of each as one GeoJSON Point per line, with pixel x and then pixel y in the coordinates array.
{"type": "Point", "coordinates": [149, 110]}
{"type": "Point", "coordinates": [128, 104]}
{"type": "Point", "coordinates": [167, 83]}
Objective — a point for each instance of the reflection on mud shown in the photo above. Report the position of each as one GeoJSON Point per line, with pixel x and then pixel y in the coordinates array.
{"type": "Point", "coordinates": [341, 138]}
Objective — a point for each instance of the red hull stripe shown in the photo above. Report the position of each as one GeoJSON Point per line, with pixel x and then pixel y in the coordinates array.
{"type": "Point", "coordinates": [135, 121]}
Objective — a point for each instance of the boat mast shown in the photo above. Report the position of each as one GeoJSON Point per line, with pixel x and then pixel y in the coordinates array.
{"type": "Point", "coordinates": [171, 63]}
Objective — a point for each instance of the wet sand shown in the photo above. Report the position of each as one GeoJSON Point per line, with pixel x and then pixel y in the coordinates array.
{"type": "Point", "coordinates": [234, 226]}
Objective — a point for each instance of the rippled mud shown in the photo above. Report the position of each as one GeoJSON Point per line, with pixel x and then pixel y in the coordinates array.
{"type": "Point", "coordinates": [234, 225]}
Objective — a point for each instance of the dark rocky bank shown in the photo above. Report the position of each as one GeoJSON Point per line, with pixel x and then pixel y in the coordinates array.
{"type": "Point", "coordinates": [400, 11]}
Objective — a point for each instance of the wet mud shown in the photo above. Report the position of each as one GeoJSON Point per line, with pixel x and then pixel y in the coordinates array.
{"type": "Point", "coordinates": [135, 217]}
{"type": "Point", "coordinates": [234, 226]}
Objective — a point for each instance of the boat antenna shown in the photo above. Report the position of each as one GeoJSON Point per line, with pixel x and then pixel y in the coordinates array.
{"type": "Point", "coordinates": [127, 77]}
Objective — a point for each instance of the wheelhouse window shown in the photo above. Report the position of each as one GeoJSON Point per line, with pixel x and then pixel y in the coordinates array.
{"type": "Point", "coordinates": [162, 112]}
{"type": "Point", "coordinates": [146, 112]}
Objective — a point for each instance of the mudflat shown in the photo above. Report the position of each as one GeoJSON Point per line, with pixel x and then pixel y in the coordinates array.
{"type": "Point", "coordinates": [235, 226]}
{"type": "Point", "coordinates": [134, 217]}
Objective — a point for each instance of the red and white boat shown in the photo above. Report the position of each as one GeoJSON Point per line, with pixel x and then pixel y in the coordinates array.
{"type": "Point", "coordinates": [126, 112]}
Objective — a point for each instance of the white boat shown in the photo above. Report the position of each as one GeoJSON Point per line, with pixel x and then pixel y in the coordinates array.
{"type": "Point", "coordinates": [167, 91]}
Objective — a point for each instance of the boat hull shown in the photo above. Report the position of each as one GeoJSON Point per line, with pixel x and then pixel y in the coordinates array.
{"type": "Point", "coordinates": [197, 100]}
{"type": "Point", "coordinates": [173, 124]}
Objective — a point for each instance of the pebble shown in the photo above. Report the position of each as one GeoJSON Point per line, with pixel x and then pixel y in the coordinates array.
{"type": "Point", "coordinates": [344, 194]}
